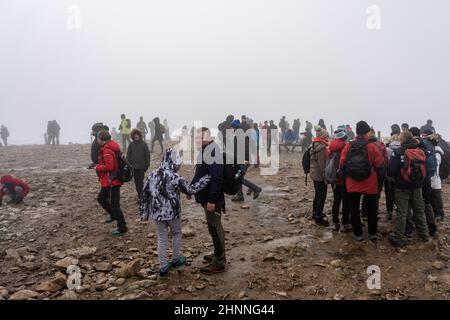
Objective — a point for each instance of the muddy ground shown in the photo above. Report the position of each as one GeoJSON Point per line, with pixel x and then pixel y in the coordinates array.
{"type": "Point", "coordinates": [274, 249]}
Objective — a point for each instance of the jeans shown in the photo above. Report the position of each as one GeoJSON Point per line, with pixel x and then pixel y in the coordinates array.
{"type": "Point", "coordinates": [405, 199]}
{"type": "Point", "coordinates": [163, 239]}
{"type": "Point", "coordinates": [340, 196]}
{"type": "Point", "coordinates": [138, 175]}
{"type": "Point", "coordinates": [371, 205]}
{"type": "Point", "coordinates": [215, 228]}
{"type": "Point", "coordinates": [109, 199]}
{"type": "Point", "coordinates": [320, 188]}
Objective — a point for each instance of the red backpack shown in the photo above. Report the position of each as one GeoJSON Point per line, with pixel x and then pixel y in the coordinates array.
{"type": "Point", "coordinates": [413, 169]}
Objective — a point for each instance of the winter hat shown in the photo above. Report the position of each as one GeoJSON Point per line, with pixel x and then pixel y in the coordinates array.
{"type": "Point", "coordinates": [235, 124]}
{"type": "Point", "coordinates": [415, 131]}
{"type": "Point", "coordinates": [362, 128]}
{"type": "Point", "coordinates": [321, 132]}
{"type": "Point", "coordinates": [6, 179]}
{"type": "Point", "coordinates": [341, 132]}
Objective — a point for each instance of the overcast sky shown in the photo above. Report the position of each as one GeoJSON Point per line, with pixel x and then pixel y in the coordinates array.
{"type": "Point", "coordinates": [188, 60]}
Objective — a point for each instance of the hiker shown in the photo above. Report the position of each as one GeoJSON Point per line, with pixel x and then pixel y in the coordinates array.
{"type": "Point", "coordinates": [436, 182]}
{"type": "Point", "coordinates": [364, 168]}
{"type": "Point", "coordinates": [125, 129]}
{"type": "Point", "coordinates": [265, 133]}
{"type": "Point", "coordinates": [223, 127]}
{"type": "Point", "coordinates": [350, 134]}
{"type": "Point", "coordinates": [322, 124]}
{"type": "Point", "coordinates": [141, 126]}
{"type": "Point", "coordinates": [211, 198]}
{"type": "Point", "coordinates": [255, 136]}
{"type": "Point", "coordinates": [407, 167]}
{"type": "Point", "coordinates": [389, 184]}
{"type": "Point", "coordinates": [309, 126]}
{"type": "Point", "coordinates": [428, 126]}
{"type": "Point", "coordinates": [109, 195]}
{"type": "Point", "coordinates": [4, 134]}
{"type": "Point", "coordinates": [245, 124]}
{"type": "Point", "coordinates": [289, 140]}
{"type": "Point", "coordinates": [372, 138]}
{"type": "Point", "coordinates": [138, 155]}
{"type": "Point", "coordinates": [13, 188]}
{"type": "Point", "coordinates": [283, 127]}
{"type": "Point", "coordinates": [317, 168]}
{"type": "Point", "coordinates": [158, 135]}
{"type": "Point", "coordinates": [274, 128]}
{"type": "Point", "coordinates": [151, 127]}
{"type": "Point", "coordinates": [161, 202]}
{"type": "Point", "coordinates": [338, 183]}
{"type": "Point", "coordinates": [53, 130]}
{"type": "Point", "coordinates": [431, 168]}
{"type": "Point", "coordinates": [395, 129]}
{"type": "Point", "coordinates": [405, 127]}
{"type": "Point", "coordinates": [307, 140]}
{"type": "Point", "coordinates": [244, 146]}
{"type": "Point", "coordinates": [166, 130]}
{"type": "Point", "coordinates": [96, 128]}
{"type": "Point", "coordinates": [296, 128]}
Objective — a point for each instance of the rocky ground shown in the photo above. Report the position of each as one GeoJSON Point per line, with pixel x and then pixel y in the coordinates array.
{"type": "Point", "coordinates": [274, 250]}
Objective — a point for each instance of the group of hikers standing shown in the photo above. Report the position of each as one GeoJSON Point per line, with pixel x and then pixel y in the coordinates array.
{"type": "Point", "coordinates": [410, 168]}
{"type": "Point", "coordinates": [52, 134]}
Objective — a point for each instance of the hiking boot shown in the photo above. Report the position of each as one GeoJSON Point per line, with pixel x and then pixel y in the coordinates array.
{"type": "Point", "coordinates": [347, 227]}
{"type": "Point", "coordinates": [118, 233]}
{"type": "Point", "coordinates": [373, 237]}
{"type": "Point", "coordinates": [257, 193]}
{"type": "Point", "coordinates": [238, 198]}
{"type": "Point", "coordinates": [163, 273]}
{"type": "Point", "coordinates": [322, 222]}
{"type": "Point", "coordinates": [212, 268]}
{"type": "Point", "coordinates": [336, 227]}
{"type": "Point", "coordinates": [179, 263]}
{"type": "Point", "coordinates": [358, 238]}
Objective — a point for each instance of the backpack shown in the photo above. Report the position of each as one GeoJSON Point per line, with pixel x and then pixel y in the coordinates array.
{"type": "Point", "coordinates": [306, 163]}
{"type": "Point", "coordinates": [431, 164]}
{"type": "Point", "coordinates": [444, 168]}
{"type": "Point", "coordinates": [413, 169]}
{"type": "Point", "coordinates": [125, 170]}
{"type": "Point", "coordinates": [232, 177]}
{"type": "Point", "coordinates": [331, 168]}
{"type": "Point", "coordinates": [357, 165]}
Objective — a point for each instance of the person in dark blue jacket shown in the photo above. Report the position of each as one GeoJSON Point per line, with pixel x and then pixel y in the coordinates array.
{"type": "Point", "coordinates": [211, 198]}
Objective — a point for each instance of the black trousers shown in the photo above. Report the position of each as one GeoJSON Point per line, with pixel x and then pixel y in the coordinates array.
{"type": "Point", "coordinates": [320, 196]}
{"type": "Point", "coordinates": [389, 191]}
{"type": "Point", "coordinates": [436, 202]}
{"type": "Point", "coordinates": [138, 175]}
{"type": "Point", "coordinates": [371, 205]}
{"type": "Point", "coordinates": [109, 199]}
{"type": "Point", "coordinates": [340, 196]}
{"type": "Point", "coordinates": [160, 144]}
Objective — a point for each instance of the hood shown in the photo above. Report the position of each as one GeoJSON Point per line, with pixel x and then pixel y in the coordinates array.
{"type": "Point", "coordinates": [337, 145]}
{"type": "Point", "coordinates": [134, 132]}
{"type": "Point", "coordinates": [171, 161]}
{"type": "Point", "coordinates": [114, 146]}
{"type": "Point", "coordinates": [7, 179]}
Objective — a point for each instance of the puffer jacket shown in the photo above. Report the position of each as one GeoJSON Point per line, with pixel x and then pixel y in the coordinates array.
{"type": "Point", "coordinates": [318, 159]}
{"type": "Point", "coordinates": [108, 164]}
{"type": "Point", "coordinates": [161, 196]}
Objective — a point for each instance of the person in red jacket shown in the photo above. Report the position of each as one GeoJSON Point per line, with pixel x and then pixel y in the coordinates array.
{"type": "Point", "coordinates": [108, 165]}
{"type": "Point", "coordinates": [13, 188]}
{"type": "Point", "coordinates": [364, 168]}
{"type": "Point", "coordinates": [339, 189]}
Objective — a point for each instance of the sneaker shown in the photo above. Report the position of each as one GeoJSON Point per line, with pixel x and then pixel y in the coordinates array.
{"type": "Point", "coordinates": [347, 228]}
{"type": "Point", "coordinates": [358, 238]}
{"type": "Point", "coordinates": [211, 269]}
{"type": "Point", "coordinates": [257, 193]}
{"type": "Point", "coordinates": [373, 237]}
{"type": "Point", "coordinates": [181, 262]}
{"type": "Point", "coordinates": [336, 227]}
{"type": "Point", "coordinates": [322, 222]}
{"type": "Point", "coordinates": [118, 233]}
{"type": "Point", "coordinates": [163, 273]}
{"type": "Point", "coordinates": [238, 199]}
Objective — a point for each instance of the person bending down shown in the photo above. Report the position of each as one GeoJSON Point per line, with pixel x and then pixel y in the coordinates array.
{"type": "Point", "coordinates": [13, 188]}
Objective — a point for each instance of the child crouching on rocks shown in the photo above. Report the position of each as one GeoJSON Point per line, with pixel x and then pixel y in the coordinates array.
{"type": "Point", "coordinates": [161, 202]}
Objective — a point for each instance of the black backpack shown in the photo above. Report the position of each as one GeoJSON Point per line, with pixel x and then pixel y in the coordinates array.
{"type": "Point", "coordinates": [306, 163]}
{"type": "Point", "coordinates": [357, 165]}
{"type": "Point", "coordinates": [125, 171]}
{"type": "Point", "coordinates": [444, 167]}
{"type": "Point", "coordinates": [232, 176]}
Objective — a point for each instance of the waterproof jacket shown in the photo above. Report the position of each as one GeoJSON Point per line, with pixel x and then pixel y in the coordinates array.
{"type": "Point", "coordinates": [138, 153]}
{"type": "Point", "coordinates": [108, 164]}
{"type": "Point", "coordinates": [395, 165]}
{"type": "Point", "coordinates": [318, 159]}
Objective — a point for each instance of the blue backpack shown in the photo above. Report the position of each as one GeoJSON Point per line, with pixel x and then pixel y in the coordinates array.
{"type": "Point", "coordinates": [431, 163]}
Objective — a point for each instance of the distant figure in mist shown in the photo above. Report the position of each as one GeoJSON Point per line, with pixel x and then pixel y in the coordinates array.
{"type": "Point", "coordinates": [283, 127]}
{"type": "Point", "coordinates": [166, 130]}
{"type": "Point", "coordinates": [296, 129]}
{"type": "Point", "coordinates": [4, 134]}
{"type": "Point", "coordinates": [428, 126]}
{"type": "Point", "coordinates": [125, 130]}
{"type": "Point", "coordinates": [143, 128]}
{"type": "Point", "coordinates": [12, 188]}
{"type": "Point", "coordinates": [158, 136]}
{"type": "Point", "coordinates": [322, 124]}
{"type": "Point", "coordinates": [53, 131]}
{"type": "Point", "coordinates": [151, 127]}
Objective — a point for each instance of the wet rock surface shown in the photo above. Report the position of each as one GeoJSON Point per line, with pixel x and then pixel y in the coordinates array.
{"type": "Point", "coordinates": [274, 249]}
